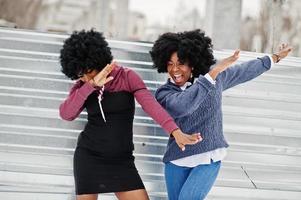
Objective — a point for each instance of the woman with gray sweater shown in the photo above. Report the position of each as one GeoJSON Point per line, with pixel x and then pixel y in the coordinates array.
{"type": "Point", "coordinates": [193, 97]}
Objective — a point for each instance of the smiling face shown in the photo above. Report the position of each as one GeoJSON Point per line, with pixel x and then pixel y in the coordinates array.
{"type": "Point", "coordinates": [179, 72]}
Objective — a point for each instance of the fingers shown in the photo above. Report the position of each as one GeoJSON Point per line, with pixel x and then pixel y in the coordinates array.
{"type": "Point", "coordinates": [182, 147]}
{"type": "Point", "coordinates": [109, 79]}
{"type": "Point", "coordinates": [281, 46]}
{"type": "Point", "coordinates": [229, 60]}
{"type": "Point", "coordinates": [108, 68]}
{"type": "Point", "coordinates": [289, 49]}
{"type": "Point", "coordinates": [192, 139]}
{"type": "Point", "coordinates": [200, 138]}
{"type": "Point", "coordinates": [235, 56]}
{"type": "Point", "coordinates": [101, 78]}
{"type": "Point", "coordinates": [183, 139]}
{"type": "Point", "coordinates": [285, 46]}
{"type": "Point", "coordinates": [114, 63]}
{"type": "Point", "coordinates": [196, 137]}
{"type": "Point", "coordinates": [284, 50]}
{"type": "Point", "coordinates": [189, 140]}
{"type": "Point", "coordinates": [236, 53]}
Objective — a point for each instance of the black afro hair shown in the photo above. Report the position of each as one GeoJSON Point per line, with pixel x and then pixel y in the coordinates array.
{"type": "Point", "coordinates": [192, 47]}
{"type": "Point", "coordinates": [84, 51]}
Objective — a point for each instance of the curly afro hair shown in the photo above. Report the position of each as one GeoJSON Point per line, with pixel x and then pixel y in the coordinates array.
{"type": "Point", "coordinates": [192, 47]}
{"type": "Point", "coordinates": [84, 51]}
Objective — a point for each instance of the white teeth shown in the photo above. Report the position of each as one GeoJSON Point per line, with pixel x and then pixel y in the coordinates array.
{"type": "Point", "coordinates": [177, 77]}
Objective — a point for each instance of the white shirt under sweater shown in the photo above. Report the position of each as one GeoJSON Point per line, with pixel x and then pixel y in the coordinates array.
{"type": "Point", "coordinates": [203, 158]}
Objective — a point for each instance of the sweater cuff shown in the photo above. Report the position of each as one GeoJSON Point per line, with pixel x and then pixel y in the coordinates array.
{"type": "Point", "coordinates": [86, 90]}
{"type": "Point", "coordinates": [266, 61]}
{"type": "Point", "coordinates": [272, 62]}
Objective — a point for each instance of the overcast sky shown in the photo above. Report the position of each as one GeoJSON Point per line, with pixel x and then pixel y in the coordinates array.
{"type": "Point", "coordinates": [159, 10]}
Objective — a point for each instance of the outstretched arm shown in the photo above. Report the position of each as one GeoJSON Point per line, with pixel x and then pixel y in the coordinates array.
{"type": "Point", "coordinates": [244, 72]}
{"type": "Point", "coordinates": [240, 73]}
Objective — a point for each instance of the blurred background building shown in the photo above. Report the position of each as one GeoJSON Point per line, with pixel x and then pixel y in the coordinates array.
{"type": "Point", "coordinates": [250, 25]}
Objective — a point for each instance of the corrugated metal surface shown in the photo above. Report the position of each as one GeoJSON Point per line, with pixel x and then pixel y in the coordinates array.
{"type": "Point", "coordinates": [262, 124]}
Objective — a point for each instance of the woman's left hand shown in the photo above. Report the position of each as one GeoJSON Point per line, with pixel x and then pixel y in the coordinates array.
{"type": "Point", "coordinates": [224, 64]}
{"type": "Point", "coordinates": [102, 77]}
{"type": "Point", "coordinates": [284, 50]}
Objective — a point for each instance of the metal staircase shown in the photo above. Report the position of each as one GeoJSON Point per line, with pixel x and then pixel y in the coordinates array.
{"type": "Point", "coordinates": [262, 124]}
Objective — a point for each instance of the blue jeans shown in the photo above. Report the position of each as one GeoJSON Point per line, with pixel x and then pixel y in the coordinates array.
{"type": "Point", "coordinates": [185, 183]}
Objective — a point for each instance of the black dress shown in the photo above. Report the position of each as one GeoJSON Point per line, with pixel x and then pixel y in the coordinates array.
{"type": "Point", "coordinates": [103, 159]}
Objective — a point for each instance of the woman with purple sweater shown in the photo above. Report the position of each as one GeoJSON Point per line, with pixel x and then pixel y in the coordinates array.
{"type": "Point", "coordinates": [193, 97]}
{"type": "Point", "coordinates": [103, 158]}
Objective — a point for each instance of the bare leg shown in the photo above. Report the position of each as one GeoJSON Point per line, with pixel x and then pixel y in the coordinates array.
{"type": "Point", "coordinates": [86, 197]}
{"type": "Point", "coordinates": [133, 195]}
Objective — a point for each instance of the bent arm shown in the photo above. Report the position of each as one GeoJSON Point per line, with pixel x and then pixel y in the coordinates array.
{"type": "Point", "coordinates": [149, 103]}
{"type": "Point", "coordinates": [155, 110]}
{"type": "Point", "coordinates": [74, 103]}
{"type": "Point", "coordinates": [180, 103]}
{"type": "Point", "coordinates": [244, 72]}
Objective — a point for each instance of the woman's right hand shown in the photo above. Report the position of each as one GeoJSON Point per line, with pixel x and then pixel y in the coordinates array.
{"type": "Point", "coordinates": [102, 78]}
{"type": "Point", "coordinates": [224, 64]}
{"type": "Point", "coordinates": [183, 139]}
